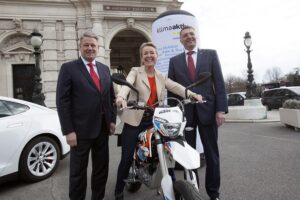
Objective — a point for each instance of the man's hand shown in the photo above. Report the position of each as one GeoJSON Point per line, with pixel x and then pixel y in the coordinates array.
{"type": "Point", "coordinates": [72, 139]}
{"type": "Point", "coordinates": [112, 128]}
{"type": "Point", "coordinates": [220, 118]}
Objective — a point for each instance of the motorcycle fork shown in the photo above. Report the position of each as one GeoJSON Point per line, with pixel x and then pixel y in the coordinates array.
{"type": "Point", "coordinates": [161, 155]}
{"type": "Point", "coordinates": [166, 183]}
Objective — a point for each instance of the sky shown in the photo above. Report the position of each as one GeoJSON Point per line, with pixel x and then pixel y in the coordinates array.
{"type": "Point", "coordinates": [274, 26]}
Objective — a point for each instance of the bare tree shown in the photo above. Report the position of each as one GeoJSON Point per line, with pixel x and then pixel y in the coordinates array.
{"type": "Point", "coordinates": [273, 74]}
{"type": "Point", "coordinates": [293, 78]}
{"type": "Point", "coordinates": [235, 84]}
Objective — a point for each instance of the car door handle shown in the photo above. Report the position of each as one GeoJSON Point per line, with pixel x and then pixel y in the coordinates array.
{"type": "Point", "coordinates": [15, 125]}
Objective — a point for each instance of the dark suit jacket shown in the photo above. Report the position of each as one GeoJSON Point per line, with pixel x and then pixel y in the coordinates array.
{"type": "Point", "coordinates": [213, 90]}
{"type": "Point", "coordinates": [81, 107]}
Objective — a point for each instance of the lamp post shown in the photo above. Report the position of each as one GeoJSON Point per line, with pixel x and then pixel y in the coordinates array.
{"type": "Point", "coordinates": [251, 87]}
{"type": "Point", "coordinates": [36, 41]}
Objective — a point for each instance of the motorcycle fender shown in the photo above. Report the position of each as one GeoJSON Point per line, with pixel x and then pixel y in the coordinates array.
{"type": "Point", "coordinates": [185, 155]}
{"type": "Point", "coordinates": [167, 187]}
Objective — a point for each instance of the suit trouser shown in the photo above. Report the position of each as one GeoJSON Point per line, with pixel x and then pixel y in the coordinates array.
{"type": "Point", "coordinates": [209, 139]}
{"type": "Point", "coordinates": [129, 142]}
{"type": "Point", "coordinates": [79, 158]}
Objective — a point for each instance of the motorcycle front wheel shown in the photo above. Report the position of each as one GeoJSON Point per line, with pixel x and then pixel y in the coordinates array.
{"type": "Point", "coordinates": [185, 191]}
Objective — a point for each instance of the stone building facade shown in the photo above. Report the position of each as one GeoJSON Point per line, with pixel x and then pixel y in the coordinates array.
{"type": "Point", "coordinates": [121, 25]}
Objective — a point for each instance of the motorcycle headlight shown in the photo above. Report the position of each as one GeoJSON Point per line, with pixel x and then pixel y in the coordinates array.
{"type": "Point", "coordinates": [167, 129]}
{"type": "Point", "coordinates": [172, 129]}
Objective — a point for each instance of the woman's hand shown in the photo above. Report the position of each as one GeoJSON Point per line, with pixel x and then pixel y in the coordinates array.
{"type": "Point", "coordinates": [121, 103]}
{"type": "Point", "coordinates": [198, 98]}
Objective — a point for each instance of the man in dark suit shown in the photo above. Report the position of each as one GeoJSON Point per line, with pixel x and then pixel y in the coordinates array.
{"type": "Point", "coordinates": [84, 102]}
{"type": "Point", "coordinates": [184, 69]}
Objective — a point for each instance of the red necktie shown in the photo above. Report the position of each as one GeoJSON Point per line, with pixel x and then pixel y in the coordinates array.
{"type": "Point", "coordinates": [94, 76]}
{"type": "Point", "coordinates": [191, 66]}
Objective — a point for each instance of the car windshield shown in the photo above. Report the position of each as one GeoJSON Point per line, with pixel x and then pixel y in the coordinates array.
{"type": "Point", "coordinates": [296, 90]}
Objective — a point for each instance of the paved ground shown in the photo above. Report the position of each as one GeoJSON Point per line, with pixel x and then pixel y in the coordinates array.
{"type": "Point", "coordinates": [272, 116]}
{"type": "Point", "coordinates": [259, 161]}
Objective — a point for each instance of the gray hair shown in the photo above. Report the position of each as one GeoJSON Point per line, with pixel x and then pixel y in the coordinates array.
{"type": "Point", "coordinates": [89, 34]}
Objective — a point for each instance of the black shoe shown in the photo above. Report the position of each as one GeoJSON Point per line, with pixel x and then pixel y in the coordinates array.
{"type": "Point", "coordinates": [119, 196]}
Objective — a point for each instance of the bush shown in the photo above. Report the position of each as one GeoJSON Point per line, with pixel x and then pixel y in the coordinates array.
{"type": "Point", "coordinates": [291, 104]}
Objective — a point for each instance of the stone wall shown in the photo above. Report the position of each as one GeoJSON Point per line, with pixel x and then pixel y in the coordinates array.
{"type": "Point", "coordinates": [61, 23]}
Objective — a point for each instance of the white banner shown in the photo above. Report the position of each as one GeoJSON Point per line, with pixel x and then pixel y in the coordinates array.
{"type": "Point", "coordinates": [165, 35]}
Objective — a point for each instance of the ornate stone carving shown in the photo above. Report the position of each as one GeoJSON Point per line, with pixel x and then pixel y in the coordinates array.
{"type": "Point", "coordinates": [18, 24]}
{"type": "Point", "coordinates": [14, 39]}
{"type": "Point", "coordinates": [130, 22]}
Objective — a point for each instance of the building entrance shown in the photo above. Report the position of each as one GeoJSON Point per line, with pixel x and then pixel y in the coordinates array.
{"type": "Point", "coordinates": [23, 81]}
{"type": "Point", "coordinates": [125, 50]}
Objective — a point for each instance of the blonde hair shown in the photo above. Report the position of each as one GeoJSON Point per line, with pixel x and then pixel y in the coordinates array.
{"type": "Point", "coordinates": [147, 44]}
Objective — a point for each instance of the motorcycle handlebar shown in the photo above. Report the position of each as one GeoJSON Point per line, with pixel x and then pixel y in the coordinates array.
{"type": "Point", "coordinates": [138, 105]}
{"type": "Point", "coordinates": [143, 106]}
{"type": "Point", "coordinates": [191, 101]}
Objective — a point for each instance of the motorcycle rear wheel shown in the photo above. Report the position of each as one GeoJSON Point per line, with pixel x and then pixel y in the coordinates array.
{"type": "Point", "coordinates": [185, 191]}
{"type": "Point", "coordinates": [132, 187]}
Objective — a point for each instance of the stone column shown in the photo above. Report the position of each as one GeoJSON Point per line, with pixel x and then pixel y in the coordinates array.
{"type": "Point", "coordinates": [49, 62]}
{"type": "Point", "coordinates": [70, 40]}
{"type": "Point", "coordinates": [107, 57]}
{"type": "Point", "coordinates": [98, 30]}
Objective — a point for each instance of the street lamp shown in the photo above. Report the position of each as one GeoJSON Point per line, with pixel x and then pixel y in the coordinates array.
{"type": "Point", "coordinates": [36, 41]}
{"type": "Point", "coordinates": [251, 87]}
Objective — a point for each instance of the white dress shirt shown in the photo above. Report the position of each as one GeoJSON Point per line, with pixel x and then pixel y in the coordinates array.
{"type": "Point", "coordinates": [88, 67]}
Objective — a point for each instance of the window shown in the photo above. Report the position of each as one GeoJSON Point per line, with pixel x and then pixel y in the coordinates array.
{"type": "Point", "coordinates": [16, 108]}
{"type": "Point", "coordinates": [280, 93]}
{"type": "Point", "coordinates": [269, 93]}
{"type": "Point", "coordinates": [289, 93]}
{"type": "Point", "coordinates": [4, 112]}
{"type": "Point", "coordinates": [11, 108]}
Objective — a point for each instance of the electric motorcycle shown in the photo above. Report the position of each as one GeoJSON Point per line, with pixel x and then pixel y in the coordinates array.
{"type": "Point", "coordinates": [161, 145]}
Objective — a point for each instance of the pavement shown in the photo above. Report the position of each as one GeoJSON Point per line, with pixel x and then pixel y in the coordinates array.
{"type": "Point", "coordinates": [259, 161]}
{"type": "Point", "coordinates": [272, 116]}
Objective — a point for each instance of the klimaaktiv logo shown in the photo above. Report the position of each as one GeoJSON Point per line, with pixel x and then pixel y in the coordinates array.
{"type": "Point", "coordinates": [170, 28]}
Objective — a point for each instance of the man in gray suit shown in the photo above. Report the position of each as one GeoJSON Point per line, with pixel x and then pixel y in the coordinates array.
{"type": "Point", "coordinates": [185, 69]}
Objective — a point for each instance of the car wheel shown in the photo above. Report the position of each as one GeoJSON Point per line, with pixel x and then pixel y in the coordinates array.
{"type": "Point", "coordinates": [39, 159]}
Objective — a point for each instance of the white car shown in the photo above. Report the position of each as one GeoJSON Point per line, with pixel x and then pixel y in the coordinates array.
{"type": "Point", "coordinates": [31, 141]}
